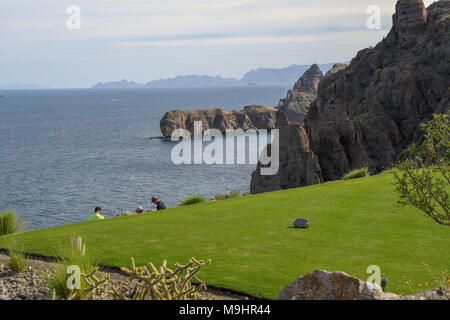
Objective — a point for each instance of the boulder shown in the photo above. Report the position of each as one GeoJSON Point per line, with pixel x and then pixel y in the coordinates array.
{"type": "Point", "coordinates": [301, 223]}
{"type": "Point", "coordinates": [324, 285]}
{"type": "Point", "coordinates": [251, 117]}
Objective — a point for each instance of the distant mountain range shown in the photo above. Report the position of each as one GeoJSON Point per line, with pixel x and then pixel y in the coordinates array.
{"type": "Point", "coordinates": [261, 76]}
{"type": "Point", "coordinates": [288, 75]}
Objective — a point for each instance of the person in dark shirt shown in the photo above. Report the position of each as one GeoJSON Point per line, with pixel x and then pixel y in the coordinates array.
{"type": "Point", "coordinates": [159, 204]}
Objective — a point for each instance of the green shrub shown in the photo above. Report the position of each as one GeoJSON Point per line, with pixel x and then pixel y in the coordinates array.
{"type": "Point", "coordinates": [10, 223]}
{"type": "Point", "coordinates": [76, 255]}
{"type": "Point", "coordinates": [192, 200]}
{"type": "Point", "coordinates": [17, 261]}
{"type": "Point", "coordinates": [58, 282]}
{"type": "Point", "coordinates": [232, 194]}
{"type": "Point", "coordinates": [355, 174]}
{"type": "Point", "coordinates": [423, 179]}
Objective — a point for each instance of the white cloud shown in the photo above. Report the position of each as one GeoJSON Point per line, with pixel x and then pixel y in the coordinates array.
{"type": "Point", "coordinates": [130, 30]}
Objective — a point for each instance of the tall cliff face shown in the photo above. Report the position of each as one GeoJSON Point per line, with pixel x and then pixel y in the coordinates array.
{"type": "Point", "coordinates": [298, 165]}
{"type": "Point", "coordinates": [369, 113]}
{"type": "Point", "coordinates": [298, 99]}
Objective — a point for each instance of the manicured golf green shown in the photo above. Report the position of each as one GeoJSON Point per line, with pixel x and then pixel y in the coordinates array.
{"type": "Point", "coordinates": [254, 248]}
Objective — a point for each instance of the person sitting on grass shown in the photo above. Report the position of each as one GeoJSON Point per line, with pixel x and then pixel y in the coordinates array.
{"type": "Point", "coordinates": [159, 204]}
{"type": "Point", "coordinates": [97, 215]}
{"type": "Point", "coordinates": [139, 210]}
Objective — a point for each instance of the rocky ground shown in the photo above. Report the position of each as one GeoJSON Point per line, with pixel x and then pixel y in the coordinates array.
{"type": "Point", "coordinates": [30, 285]}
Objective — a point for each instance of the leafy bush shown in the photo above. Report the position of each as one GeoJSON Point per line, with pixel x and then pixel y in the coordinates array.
{"type": "Point", "coordinates": [355, 174]}
{"type": "Point", "coordinates": [192, 200]}
{"type": "Point", "coordinates": [76, 255]}
{"type": "Point", "coordinates": [232, 194]}
{"type": "Point", "coordinates": [423, 179]}
{"type": "Point", "coordinates": [10, 223]}
{"type": "Point", "coordinates": [17, 261]}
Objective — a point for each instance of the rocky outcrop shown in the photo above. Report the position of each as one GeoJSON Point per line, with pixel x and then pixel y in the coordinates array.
{"type": "Point", "coordinates": [295, 154]}
{"type": "Point", "coordinates": [336, 68]}
{"type": "Point", "coordinates": [298, 99]}
{"type": "Point", "coordinates": [410, 19]}
{"type": "Point", "coordinates": [251, 117]}
{"type": "Point", "coordinates": [367, 114]}
{"type": "Point", "coordinates": [324, 285]}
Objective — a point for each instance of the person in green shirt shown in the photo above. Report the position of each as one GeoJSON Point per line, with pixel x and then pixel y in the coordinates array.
{"type": "Point", "coordinates": [97, 215]}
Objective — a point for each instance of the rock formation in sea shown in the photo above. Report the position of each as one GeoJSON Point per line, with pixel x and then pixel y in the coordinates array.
{"type": "Point", "coordinates": [367, 114]}
{"type": "Point", "coordinates": [123, 84]}
{"type": "Point", "coordinates": [251, 117]}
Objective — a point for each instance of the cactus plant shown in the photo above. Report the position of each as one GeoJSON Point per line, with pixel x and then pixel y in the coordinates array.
{"type": "Point", "coordinates": [151, 284]}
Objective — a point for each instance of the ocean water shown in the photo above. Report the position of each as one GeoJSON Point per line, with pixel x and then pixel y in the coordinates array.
{"type": "Point", "coordinates": [63, 152]}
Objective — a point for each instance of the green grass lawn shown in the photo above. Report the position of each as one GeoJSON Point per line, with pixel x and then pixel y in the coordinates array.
{"type": "Point", "coordinates": [254, 248]}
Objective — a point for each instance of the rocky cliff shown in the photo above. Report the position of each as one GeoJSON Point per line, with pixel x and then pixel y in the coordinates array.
{"type": "Point", "coordinates": [298, 165]}
{"type": "Point", "coordinates": [251, 117]}
{"type": "Point", "coordinates": [298, 100]}
{"type": "Point", "coordinates": [336, 68]}
{"type": "Point", "coordinates": [369, 113]}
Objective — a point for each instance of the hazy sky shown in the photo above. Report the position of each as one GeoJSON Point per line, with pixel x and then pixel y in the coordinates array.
{"type": "Point", "coordinates": [143, 40]}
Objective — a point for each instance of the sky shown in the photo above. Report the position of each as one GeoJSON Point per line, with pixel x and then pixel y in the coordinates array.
{"type": "Point", "coordinates": [144, 40]}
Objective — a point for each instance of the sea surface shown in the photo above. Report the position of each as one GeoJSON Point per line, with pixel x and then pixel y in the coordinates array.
{"type": "Point", "coordinates": [65, 151]}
